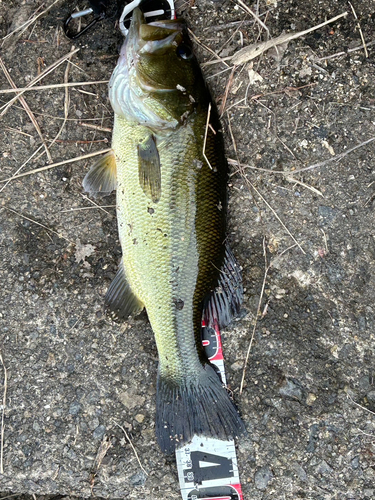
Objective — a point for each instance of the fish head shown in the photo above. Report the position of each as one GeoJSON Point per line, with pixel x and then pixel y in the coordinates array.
{"type": "Point", "coordinates": [164, 81]}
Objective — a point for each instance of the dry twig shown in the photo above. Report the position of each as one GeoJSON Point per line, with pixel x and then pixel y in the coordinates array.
{"type": "Point", "coordinates": [41, 225]}
{"type": "Point", "coordinates": [27, 109]}
{"type": "Point", "coordinates": [66, 101]}
{"type": "Point", "coordinates": [132, 446]}
{"type": "Point", "coordinates": [47, 167]}
{"type": "Point", "coordinates": [3, 414]}
{"type": "Point", "coordinates": [217, 58]}
{"type": "Point", "coordinates": [343, 53]}
{"type": "Point", "coordinates": [255, 16]}
{"type": "Point", "coordinates": [100, 207]}
{"type": "Point", "coordinates": [252, 51]}
{"type": "Point", "coordinates": [252, 187]}
{"type": "Point", "coordinates": [21, 167]}
{"type": "Point", "coordinates": [29, 22]}
{"type": "Point", "coordinates": [304, 169]}
{"type": "Point", "coordinates": [360, 406]}
{"type": "Point", "coordinates": [227, 89]}
{"type": "Point", "coordinates": [35, 80]}
{"type": "Point", "coordinates": [95, 127]}
{"type": "Point", "coordinates": [359, 29]}
{"type": "Point", "coordinates": [267, 268]}
{"type": "Point", "coordinates": [52, 85]}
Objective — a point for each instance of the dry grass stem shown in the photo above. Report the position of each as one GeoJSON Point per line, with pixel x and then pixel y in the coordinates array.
{"type": "Point", "coordinates": [360, 30]}
{"type": "Point", "coordinates": [101, 207]}
{"type": "Point", "coordinates": [218, 58]}
{"type": "Point", "coordinates": [255, 16]}
{"type": "Point", "coordinates": [3, 414]}
{"type": "Point", "coordinates": [266, 269]}
{"type": "Point", "coordinates": [52, 86]}
{"type": "Point", "coordinates": [96, 205]}
{"type": "Point", "coordinates": [27, 109]}
{"type": "Point", "coordinates": [30, 21]}
{"type": "Point", "coordinates": [12, 129]}
{"type": "Point", "coordinates": [304, 169]}
{"type": "Point", "coordinates": [95, 127]}
{"type": "Point", "coordinates": [344, 53]}
{"type": "Point", "coordinates": [41, 225]}
{"type": "Point", "coordinates": [252, 51]}
{"type": "Point", "coordinates": [227, 89]}
{"type": "Point", "coordinates": [35, 80]}
{"type": "Point", "coordinates": [360, 406]}
{"type": "Point", "coordinates": [205, 136]}
{"type": "Point", "coordinates": [132, 446]}
{"type": "Point", "coordinates": [291, 179]}
{"type": "Point", "coordinates": [66, 101]}
{"type": "Point", "coordinates": [251, 187]}
{"type": "Point", "coordinates": [334, 158]}
{"type": "Point", "coordinates": [222, 59]}
{"type": "Point", "coordinates": [23, 164]}
{"type": "Point", "coordinates": [47, 167]}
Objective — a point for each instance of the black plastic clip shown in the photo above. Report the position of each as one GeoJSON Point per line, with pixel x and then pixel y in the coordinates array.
{"type": "Point", "coordinates": [76, 15]}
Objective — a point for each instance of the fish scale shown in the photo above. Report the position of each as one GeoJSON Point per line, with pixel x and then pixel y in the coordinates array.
{"type": "Point", "coordinates": [160, 249]}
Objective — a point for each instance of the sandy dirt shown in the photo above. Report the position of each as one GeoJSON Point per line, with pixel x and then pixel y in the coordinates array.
{"type": "Point", "coordinates": [304, 237]}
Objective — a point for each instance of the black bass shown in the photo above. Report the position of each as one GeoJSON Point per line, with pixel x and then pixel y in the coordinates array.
{"type": "Point", "coordinates": [170, 173]}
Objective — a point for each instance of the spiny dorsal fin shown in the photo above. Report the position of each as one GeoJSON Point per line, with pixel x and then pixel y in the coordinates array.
{"type": "Point", "coordinates": [101, 178]}
{"type": "Point", "coordinates": [120, 299]}
{"type": "Point", "coordinates": [149, 168]}
{"type": "Point", "coordinates": [225, 301]}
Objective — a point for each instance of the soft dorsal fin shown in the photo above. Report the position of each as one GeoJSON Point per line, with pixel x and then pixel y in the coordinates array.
{"type": "Point", "coordinates": [120, 299]}
{"type": "Point", "coordinates": [102, 176]}
{"type": "Point", "coordinates": [149, 168]}
{"type": "Point", "coordinates": [225, 301]}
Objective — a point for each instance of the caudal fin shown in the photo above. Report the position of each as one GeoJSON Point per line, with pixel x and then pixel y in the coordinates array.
{"type": "Point", "coordinates": [201, 406]}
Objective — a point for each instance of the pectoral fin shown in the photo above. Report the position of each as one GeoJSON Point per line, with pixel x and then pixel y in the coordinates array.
{"type": "Point", "coordinates": [101, 178]}
{"type": "Point", "coordinates": [149, 168]}
{"type": "Point", "coordinates": [120, 299]}
{"type": "Point", "coordinates": [225, 301]}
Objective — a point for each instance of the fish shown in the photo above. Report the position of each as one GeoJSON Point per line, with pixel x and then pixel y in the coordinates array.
{"type": "Point", "coordinates": [169, 169]}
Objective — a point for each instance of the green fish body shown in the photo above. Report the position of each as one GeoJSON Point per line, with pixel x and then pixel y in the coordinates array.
{"type": "Point", "coordinates": [170, 172]}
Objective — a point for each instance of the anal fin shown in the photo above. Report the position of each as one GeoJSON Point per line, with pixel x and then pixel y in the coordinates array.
{"type": "Point", "coordinates": [120, 299]}
{"type": "Point", "coordinates": [149, 168]}
{"type": "Point", "coordinates": [102, 176]}
{"type": "Point", "coordinates": [225, 301]}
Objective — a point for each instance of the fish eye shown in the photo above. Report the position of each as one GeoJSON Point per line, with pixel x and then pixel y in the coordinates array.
{"type": "Point", "coordinates": [184, 51]}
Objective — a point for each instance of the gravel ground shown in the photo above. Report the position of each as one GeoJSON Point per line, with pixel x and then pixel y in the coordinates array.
{"type": "Point", "coordinates": [79, 383]}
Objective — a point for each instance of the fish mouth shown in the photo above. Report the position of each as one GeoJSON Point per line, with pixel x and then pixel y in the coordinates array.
{"type": "Point", "coordinates": [137, 91]}
{"type": "Point", "coordinates": [151, 39]}
{"type": "Point", "coordinates": [154, 34]}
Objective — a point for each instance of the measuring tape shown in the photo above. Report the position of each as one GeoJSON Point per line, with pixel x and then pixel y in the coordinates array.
{"type": "Point", "coordinates": [207, 467]}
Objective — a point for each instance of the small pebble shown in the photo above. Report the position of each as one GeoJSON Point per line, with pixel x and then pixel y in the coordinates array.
{"type": "Point", "coordinates": [262, 477]}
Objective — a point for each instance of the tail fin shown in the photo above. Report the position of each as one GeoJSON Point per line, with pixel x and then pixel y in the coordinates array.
{"type": "Point", "coordinates": [201, 406]}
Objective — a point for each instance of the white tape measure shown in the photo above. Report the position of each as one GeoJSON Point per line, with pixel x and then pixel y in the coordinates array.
{"type": "Point", "coordinates": [207, 467]}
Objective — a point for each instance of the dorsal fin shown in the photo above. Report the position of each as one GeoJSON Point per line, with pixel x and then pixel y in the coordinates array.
{"type": "Point", "coordinates": [225, 301]}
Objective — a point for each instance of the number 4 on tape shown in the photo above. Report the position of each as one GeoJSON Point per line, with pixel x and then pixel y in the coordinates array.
{"type": "Point", "coordinates": [207, 467]}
